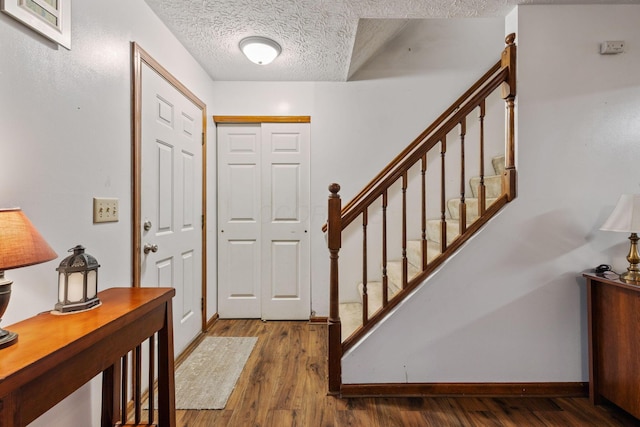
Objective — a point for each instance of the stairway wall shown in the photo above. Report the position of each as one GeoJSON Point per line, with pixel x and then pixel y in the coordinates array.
{"type": "Point", "coordinates": [511, 306]}
{"type": "Point", "coordinates": [373, 120]}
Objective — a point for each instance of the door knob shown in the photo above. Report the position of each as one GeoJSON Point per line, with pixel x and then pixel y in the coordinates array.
{"type": "Point", "coordinates": [148, 247]}
{"type": "Point", "coordinates": [147, 225]}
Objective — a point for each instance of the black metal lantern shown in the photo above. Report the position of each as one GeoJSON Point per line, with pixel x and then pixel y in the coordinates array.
{"type": "Point", "coordinates": [77, 282]}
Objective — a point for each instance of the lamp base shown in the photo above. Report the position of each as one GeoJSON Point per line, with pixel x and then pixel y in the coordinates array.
{"type": "Point", "coordinates": [78, 306]}
{"type": "Point", "coordinates": [631, 277]}
{"type": "Point", "coordinates": [7, 338]}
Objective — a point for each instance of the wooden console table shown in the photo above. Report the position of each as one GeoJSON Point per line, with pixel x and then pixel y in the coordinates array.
{"type": "Point", "coordinates": [56, 354]}
{"type": "Point", "coordinates": [614, 342]}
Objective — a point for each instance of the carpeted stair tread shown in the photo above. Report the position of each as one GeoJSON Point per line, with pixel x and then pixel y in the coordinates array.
{"type": "Point", "coordinates": [492, 183]}
{"type": "Point", "coordinates": [394, 273]}
{"type": "Point", "coordinates": [350, 317]}
{"type": "Point", "coordinates": [414, 252]}
{"type": "Point", "coordinates": [472, 208]}
{"type": "Point", "coordinates": [433, 230]}
{"type": "Point", "coordinates": [351, 313]}
{"type": "Point", "coordinates": [374, 295]}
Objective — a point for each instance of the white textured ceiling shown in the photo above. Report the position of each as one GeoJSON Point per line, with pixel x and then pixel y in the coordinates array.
{"type": "Point", "coordinates": [322, 40]}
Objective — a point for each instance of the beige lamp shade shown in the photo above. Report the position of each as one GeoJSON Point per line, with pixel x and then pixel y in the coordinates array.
{"type": "Point", "coordinates": [20, 243]}
{"type": "Point", "coordinates": [626, 215]}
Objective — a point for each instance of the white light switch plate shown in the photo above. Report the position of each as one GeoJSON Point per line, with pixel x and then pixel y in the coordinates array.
{"type": "Point", "coordinates": [105, 210]}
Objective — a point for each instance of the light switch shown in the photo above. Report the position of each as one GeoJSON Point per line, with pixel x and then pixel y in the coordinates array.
{"type": "Point", "coordinates": [105, 210]}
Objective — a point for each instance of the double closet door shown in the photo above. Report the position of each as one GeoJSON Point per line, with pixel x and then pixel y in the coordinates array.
{"type": "Point", "coordinates": [263, 221]}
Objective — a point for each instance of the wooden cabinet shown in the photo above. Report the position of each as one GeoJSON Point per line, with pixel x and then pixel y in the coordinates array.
{"type": "Point", "coordinates": [56, 354]}
{"type": "Point", "coordinates": [614, 342]}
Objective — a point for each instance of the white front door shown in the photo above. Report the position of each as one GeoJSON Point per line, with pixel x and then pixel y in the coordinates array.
{"type": "Point", "coordinates": [263, 220]}
{"type": "Point", "coordinates": [171, 201]}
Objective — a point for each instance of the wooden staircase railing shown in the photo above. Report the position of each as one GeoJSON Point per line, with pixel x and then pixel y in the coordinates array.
{"type": "Point", "coordinates": [501, 75]}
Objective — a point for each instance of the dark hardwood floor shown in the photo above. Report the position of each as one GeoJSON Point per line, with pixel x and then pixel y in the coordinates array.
{"type": "Point", "coordinates": [284, 384]}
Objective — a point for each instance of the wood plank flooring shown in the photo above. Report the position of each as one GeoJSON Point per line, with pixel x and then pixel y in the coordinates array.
{"type": "Point", "coordinates": [284, 384]}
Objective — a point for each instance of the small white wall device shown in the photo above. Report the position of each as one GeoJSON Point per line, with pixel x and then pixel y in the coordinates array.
{"type": "Point", "coordinates": [611, 47]}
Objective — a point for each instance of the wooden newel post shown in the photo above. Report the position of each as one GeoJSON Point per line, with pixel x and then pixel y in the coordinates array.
{"type": "Point", "coordinates": [334, 232]}
{"type": "Point", "coordinates": [509, 94]}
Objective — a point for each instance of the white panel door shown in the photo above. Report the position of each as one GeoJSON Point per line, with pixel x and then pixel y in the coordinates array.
{"type": "Point", "coordinates": [171, 201]}
{"type": "Point", "coordinates": [239, 202]}
{"type": "Point", "coordinates": [263, 220]}
{"type": "Point", "coordinates": [285, 222]}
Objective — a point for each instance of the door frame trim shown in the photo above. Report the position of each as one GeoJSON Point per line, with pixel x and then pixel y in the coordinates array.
{"type": "Point", "coordinates": [139, 57]}
{"type": "Point", "coordinates": [260, 119]}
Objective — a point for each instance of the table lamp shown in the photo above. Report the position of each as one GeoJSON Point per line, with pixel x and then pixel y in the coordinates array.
{"type": "Point", "coordinates": [20, 245]}
{"type": "Point", "coordinates": [626, 218]}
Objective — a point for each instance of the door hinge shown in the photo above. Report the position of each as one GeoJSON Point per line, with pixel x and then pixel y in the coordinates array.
{"type": "Point", "coordinates": [202, 221]}
{"type": "Point", "coordinates": [201, 304]}
{"type": "Point", "coordinates": [202, 138]}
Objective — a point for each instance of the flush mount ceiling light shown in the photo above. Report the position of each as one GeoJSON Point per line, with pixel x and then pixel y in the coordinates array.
{"type": "Point", "coordinates": [260, 50]}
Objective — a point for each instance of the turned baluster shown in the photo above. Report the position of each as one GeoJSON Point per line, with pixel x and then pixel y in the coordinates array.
{"type": "Point", "coordinates": [482, 191]}
{"type": "Point", "coordinates": [423, 173]}
{"type": "Point", "coordinates": [385, 278]}
{"type": "Point", "coordinates": [405, 263]}
{"type": "Point", "coordinates": [365, 296]}
{"type": "Point", "coordinates": [462, 208]}
{"type": "Point", "coordinates": [443, 201]}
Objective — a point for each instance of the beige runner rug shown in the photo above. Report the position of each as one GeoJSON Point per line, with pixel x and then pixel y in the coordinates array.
{"type": "Point", "coordinates": [207, 377]}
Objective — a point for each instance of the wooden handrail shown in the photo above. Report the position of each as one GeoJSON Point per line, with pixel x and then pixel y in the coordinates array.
{"type": "Point", "coordinates": [355, 207]}
{"type": "Point", "coordinates": [436, 123]}
{"type": "Point", "coordinates": [409, 156]}
{"type": "Point", "coordinates": [500, 75]}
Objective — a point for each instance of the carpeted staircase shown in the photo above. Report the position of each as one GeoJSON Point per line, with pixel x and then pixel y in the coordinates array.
{"type": "Point", "coordinates": [351, 312]}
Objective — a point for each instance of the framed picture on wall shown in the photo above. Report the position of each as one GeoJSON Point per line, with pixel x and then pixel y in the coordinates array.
{"type": "Point", "coordinates": [51, 18]}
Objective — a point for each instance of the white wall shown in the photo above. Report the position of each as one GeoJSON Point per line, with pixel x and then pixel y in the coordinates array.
{"type": "Point", "coordinates": [511, 306]}
{"type": "Point", "coordinates": [66, 137]}
{"type": "Point", "coordinates": [518, 316]}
